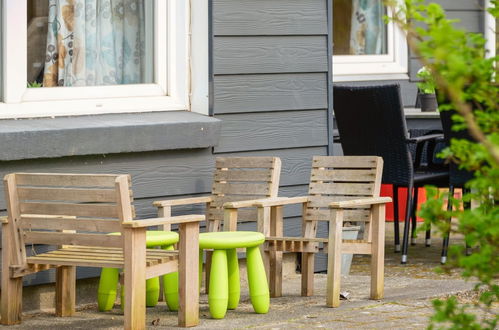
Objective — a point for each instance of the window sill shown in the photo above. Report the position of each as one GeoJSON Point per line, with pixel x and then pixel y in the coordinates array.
{"type": "Point", "coordinates": [104, 134]}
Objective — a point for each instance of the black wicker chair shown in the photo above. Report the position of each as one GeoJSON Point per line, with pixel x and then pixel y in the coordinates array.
{"type": "Point", "coordinates": [457, 177]}
{"type": "Point", "coordinates": [371, 121]}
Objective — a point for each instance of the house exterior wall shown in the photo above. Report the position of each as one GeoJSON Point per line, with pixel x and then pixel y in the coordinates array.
{"type": "Point", "coordinates": [270, 63]}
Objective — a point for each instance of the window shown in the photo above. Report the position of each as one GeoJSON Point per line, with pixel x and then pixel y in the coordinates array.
{"type": "Point", "coordinates": [89, 57]}
{"type": "Point", "coordinates": [364, 47]}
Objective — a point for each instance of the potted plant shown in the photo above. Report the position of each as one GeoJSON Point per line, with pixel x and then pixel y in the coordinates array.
{"type": "Point", "coordinates": [426, 99]}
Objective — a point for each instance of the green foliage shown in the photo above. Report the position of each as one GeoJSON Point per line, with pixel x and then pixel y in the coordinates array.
{"type": "Point", "coordinates": [34, 84]}
{"type": "Point", "coordinates": [427, 84]}
{"type": "Point", "coordinates": [465, 76]}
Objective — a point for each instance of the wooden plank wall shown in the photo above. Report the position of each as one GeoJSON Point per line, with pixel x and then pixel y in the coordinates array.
{"type": "Point", "coordinates": [270, 86]}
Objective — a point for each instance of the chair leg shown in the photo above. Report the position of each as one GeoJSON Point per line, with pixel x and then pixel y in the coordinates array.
{"type": "Point", "coordinates": [275, 257]}
{"type": "Point", "coordinates": [11, 301]}
{"type": "Point", "coordinates": [65, 291]}
{"type": "Point", "coordinates": [307, 274]}
{"type": "Point", "coordinates": [188, 263]}
{"type": "Point", "coordinates": [234, 279]}
{"type": "Point", "coordinates": [445, 244]}
{"type": "Point", "coordinates": [257, 281]}
{"type": "Point", "coordinates": [334, 259]}
{"type": "Point", "coordinates": [396, 225]}
{"type": "Point", "coordinates": [428, 237]}
{"type": "Point", "coordinates": [413, 216]}
{"type": "Point", "coordinates": [135, 278]}
{"type": "Point", "coordinates": [467, 205]}
{"type": "Point", "coordinates": [405, 242]}
{"type": "Point", "coordinates": [378, 252]}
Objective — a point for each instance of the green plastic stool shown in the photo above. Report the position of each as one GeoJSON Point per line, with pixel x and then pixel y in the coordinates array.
{"type": "Point", "coordinates": [224, 276]}
{"type": "Point", "coordinates": [108, 282]}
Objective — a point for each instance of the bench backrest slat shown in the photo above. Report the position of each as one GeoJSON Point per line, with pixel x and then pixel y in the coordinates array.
{"type": "Point", "coordinates": [242, 178]}
{"type": "Point", "coordinates": [84, 206]}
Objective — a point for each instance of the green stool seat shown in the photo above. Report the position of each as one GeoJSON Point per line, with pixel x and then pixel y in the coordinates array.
{"type": "Point", "coordinates": [224, 284]}
{"type": "Point", "coordinates": [108, 282]}
{"type": "Point", "coordinates": [230, 239]}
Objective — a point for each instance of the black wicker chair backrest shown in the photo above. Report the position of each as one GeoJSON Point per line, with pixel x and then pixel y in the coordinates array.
{"type": "Point", "coordinates": [457, 177]}
{"type": "Point", "coordinates": [371, 122]}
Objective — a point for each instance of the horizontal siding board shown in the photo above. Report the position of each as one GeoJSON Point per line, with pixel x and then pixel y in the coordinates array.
{"type": "Point", "coordinates": [273, 54]}
{"type": "Point", "coordinates": [296, 162]}
{"type": "Point", "coordinates": [263, 17]}
{"type": "Point", "coordinates": [153, 173]}
{"type": "Point", "coordinates": [461, 4]}
{"type": "Point", "coordinates": [272, 130]}
{"type": "Point", "coordinates": [266, 92]}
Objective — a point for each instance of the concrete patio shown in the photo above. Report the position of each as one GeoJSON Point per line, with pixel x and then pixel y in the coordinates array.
{"type": "Point", "coordinates": [409, 290]}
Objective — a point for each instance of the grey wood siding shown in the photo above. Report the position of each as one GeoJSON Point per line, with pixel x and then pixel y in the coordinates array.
{"type": "Point", "coordinates": [270, 69]}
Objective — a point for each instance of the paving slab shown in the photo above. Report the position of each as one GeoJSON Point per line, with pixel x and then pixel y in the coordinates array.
{"type": "Point", "coordinates": [406, 305]}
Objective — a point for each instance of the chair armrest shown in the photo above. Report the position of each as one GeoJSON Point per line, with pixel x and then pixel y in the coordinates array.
{"type": "Point", "coordinates": [4, 219]}
{"type": "Point", "coordinates": [281, 201]}
{"type": "Point", "coordinates": [164, 221]}
{"type": "Point", "coordinates": [424, 138]}
{"type": "Point", "coordinates": [271, 201]}
{"type": "Point", "coordinates": [183, 201]}
{"type": "Point", "coordinates": [359, 202]}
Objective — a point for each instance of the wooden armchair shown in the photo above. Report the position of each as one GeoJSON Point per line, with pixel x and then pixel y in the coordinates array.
{"type": "Point", "coordinates": [74, 212]}
{"type": "Point", "coordinates": [350, 186]}
{"type": "Point", "coordinates": [236, 179]}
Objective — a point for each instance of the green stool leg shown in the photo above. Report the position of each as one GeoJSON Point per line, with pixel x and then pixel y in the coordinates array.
{"type": "Point", "coordinates": [258, 286]}
{"type": "Point", "coordinates": [170, 286]}
{"type": "Point", "coordinates": [218, 296]}
{"type": "Point", "coordinates": [234, 286]}
{"type": "Point", "coordinates": [201, 256]}
{"type": "Point", "coordinates": [108, 284]}
{"type": "Point", "coordinates": [152, 292]}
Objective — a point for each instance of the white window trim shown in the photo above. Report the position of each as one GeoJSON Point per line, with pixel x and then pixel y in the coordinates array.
{"type": "Point", "coordinates": [173, 70]}
{"type": "Point", "coordinates": [490, 32]}
{"type": "Point", "coordinates": [393, 65]}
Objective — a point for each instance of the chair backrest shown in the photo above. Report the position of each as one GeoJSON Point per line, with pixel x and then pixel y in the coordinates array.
{"type": "Point", "coordinates": [239, 179]}
{"type": "Point", "coordinates": [371, 121]}
{"type": "Point", "coordinates": [339, 178]}
{"type": "Point", "coordinates": [66, 209]}
{"type": "Point", "coordinates": [457, 177]}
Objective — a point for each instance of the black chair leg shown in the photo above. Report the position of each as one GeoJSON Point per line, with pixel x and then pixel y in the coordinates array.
{"type": "Point", "coordinates": [467, 206]}
{"type": "Point", "coordinates": [445, 245]}
{"type": "Point", "coordinates": [396, 226]}
{"type": "Point", "coordinates": [413, 216]}
{"type": "Point", "coordinates": [428, 237]}
{"type": "Point", "coordinates": [408, 211]}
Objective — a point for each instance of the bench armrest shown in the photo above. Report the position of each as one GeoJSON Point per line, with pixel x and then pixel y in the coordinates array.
{"type": "Point", "coordinates": [264, 202]}
{"type": "Point", "coordinates": [360, 202]}
{"type": "Point", "coordinates": [164, 221]}
{"type": "Point", "coordinates": [183, 201]}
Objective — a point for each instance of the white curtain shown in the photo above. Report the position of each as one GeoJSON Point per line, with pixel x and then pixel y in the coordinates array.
{"type": "Point", "coordinates": [95, 42]}
{"type": "Point", "coordinates": [367, 34]}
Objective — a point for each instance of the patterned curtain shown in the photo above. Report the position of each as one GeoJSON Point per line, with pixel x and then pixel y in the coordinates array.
{"type": "Point", "coordinates": [95, 42]}
{"type": "Point", "coordinates": [367, 36]}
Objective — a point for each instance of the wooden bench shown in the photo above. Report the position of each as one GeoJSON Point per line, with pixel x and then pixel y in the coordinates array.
{"type": "Point", "coordinates": [342, 189]}
{"type": "Point", "coordinates": [73, 213]}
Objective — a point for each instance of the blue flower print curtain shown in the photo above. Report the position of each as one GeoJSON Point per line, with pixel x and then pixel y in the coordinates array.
{"type": "Point", "coordinates": [367, 36]}
{"type": "Point", "coordinates": [95, 42]}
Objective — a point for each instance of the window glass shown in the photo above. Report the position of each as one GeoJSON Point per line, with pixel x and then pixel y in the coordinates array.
{"type": "Point", "coordinates": [89, 42]}
{"type": "Point", "coordinates": [358, 27]}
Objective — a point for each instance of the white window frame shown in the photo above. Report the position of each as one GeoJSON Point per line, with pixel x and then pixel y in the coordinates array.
{"type": "Point", "coordinates": [490, 32]}
{"type": "Point", "coordinates": [173, 67]}
{"type": "Point", "coordinates": [393, 65]}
